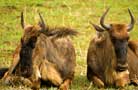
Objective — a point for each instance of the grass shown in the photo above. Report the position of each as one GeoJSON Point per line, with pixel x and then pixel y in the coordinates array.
{"type": "Point", "coordinates": [69, 13]}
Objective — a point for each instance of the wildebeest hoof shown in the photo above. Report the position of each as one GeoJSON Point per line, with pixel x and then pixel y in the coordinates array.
{"type": "Point", "coordinates": [26, 82]}
{"type": "Point", "coordinates": [63, 87]}
{"type": "Point", "coordinates": [98, 82]}
{"type": "Point", "coordinates": [6, 81]}
{"type": "Point", "coordinates": [134, 82]}
{"type": "Point", "coordinates": [33, 88]}
{"type": "Point", "coordinates": [122, 78]}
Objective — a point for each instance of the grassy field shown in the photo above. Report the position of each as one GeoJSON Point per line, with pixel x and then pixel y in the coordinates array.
{"type": "Point", "coordinates": [69, 13]}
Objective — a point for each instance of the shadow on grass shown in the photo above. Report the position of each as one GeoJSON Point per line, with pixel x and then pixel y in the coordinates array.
{"type": "Point", "coordinates": [81, 83]}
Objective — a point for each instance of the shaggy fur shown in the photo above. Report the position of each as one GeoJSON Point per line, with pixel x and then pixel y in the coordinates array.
{"type": "Point", "coordinates": [59, 32]}
{"type": "Point", "coordinates": [107, 62]}
{"type": "Point", "coordinates": [45, 55]}
{"type": "Point", "coordinates": [133, 61]}
{"type": "Point", "coordinates": [100, 63]}
{"type": "Point", "coordinates": [103, 62]}
{"type": "Point", "coordinates": [24, 67]}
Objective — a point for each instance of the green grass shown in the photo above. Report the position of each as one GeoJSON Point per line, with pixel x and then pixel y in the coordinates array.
{"type": "Point", "coordinates": [69, 13]}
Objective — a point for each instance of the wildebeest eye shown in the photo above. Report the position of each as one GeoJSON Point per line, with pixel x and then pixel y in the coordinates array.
{"type": "Point", "coordinates": [22, 41]}
{"type": "Point", "coordinates": [113, 39]}
{"type": "Point", "coordinates": [127, 38]}
{"type": "Point", "coordinates": [32, 41]}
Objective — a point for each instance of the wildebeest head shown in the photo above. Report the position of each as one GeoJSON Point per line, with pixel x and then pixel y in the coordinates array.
{"type": "Point", "coordinates": [119, 35]}
{"type": "Point", "coordinates": [28, 41]}
{"type": "Point", "coordinates": [31, 32]}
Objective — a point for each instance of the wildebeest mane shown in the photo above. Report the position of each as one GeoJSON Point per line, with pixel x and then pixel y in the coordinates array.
{"type": "Point", "coordinates": [59, 32]}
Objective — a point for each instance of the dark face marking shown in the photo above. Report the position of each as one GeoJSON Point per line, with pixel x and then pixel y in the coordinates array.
{"type": "Point", "coordinates": [119, 37]}
{"type": "Point", "coordinates": [30, 35]}
{"type": "Point", "coordinates": [120, 46]}
{"type": "Point", "coordinates": [28, 42]}
{"type": "Point", "coordinates": [31, 42]}
{"type": "Point", "coordinates": [26, 61]}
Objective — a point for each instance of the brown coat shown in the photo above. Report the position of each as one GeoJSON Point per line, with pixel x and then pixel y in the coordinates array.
{"type": "Point", "coordinates": [107, 60]}
{"type": "Point", "coordinates": [44, 54]}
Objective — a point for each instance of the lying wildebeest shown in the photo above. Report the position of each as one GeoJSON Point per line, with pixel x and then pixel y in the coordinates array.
{"type": "Point", "coordinates": [108, 57]}
{"type": "Point", "coordinates": [44, 54]}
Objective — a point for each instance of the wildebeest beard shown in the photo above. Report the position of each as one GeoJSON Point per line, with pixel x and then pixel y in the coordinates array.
{"type": "Point", "coordinates": [26, 61]}
{"type": "Point", "coordinates": [24, 67]}
{"type": "Point", "coordinates": [121, 54]}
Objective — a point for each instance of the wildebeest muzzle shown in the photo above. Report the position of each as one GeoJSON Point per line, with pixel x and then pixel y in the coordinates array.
{"type": "Point", "coordinates": [121, 54]}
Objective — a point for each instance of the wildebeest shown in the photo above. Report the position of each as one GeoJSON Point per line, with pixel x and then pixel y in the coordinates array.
{"type": "Point", "coordinates": [44, 54]}
{"type": "Point", "coordinates": [107, 58]}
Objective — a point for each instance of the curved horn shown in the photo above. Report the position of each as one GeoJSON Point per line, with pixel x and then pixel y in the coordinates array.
{"type": "Point", "coordinates": [42, 23]}
{"type": "Point", "coordinates": [22, 20]}
{"type": "Point", "coordinates": [131, 25]}
{"type": "Point", "coordinates": [107, 27]}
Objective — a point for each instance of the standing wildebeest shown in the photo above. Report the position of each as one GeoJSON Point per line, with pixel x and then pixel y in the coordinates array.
{"type": "Point", "coordinates": [44, 54]}
{"type": "Point", "coordinates": [107, 62]}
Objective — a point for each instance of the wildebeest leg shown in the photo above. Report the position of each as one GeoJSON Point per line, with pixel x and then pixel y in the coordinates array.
{"type": "Point", "coordinates": [133, 45]}
{"type": "Point", "coordinates": [122, 78]}
{"type": "Point", "coordinates": [97, 81]}
{"type": "Point", "coordinates": [36, 84]}
{"type": "Point", "coordinates": [134, 82]}
{"type": "Point", "coordinates": [25, 81]}
{"type": "Point", "coordinates": [7, 75]}
{"type": "Point", "coordinates": [93, 78]}
{"type": "Point", "coordinates": [65, 85]}
{"type": "Point", "coordinates": [133, 64]}
{"type": "Point", "coordinates": [49, 72]}
{"type": "Point", "coordinates": [3, 71]}
{"type": "Point", "coordinates": [16, 80]}
{"type": "Point", "coordinates": [35, 78]}
{"type": "Point", "coordinates": [16, 57]}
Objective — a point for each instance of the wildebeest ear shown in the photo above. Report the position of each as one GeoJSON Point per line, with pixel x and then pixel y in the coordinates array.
{"type": "Point", "coordinates": [97, 28]}
{"type": "Point", "coordinates": [42, 23]}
